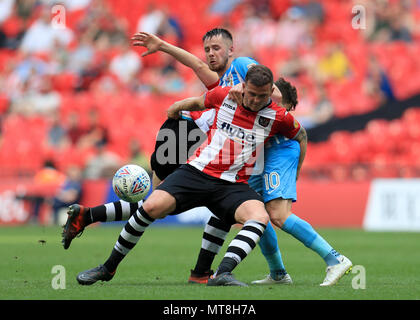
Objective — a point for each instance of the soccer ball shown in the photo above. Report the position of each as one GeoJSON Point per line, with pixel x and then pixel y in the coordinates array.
{"type": "Point", "coordinates": [131, 183]}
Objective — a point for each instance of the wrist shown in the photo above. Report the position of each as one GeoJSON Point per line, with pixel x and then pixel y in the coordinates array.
{"type": "Point", "coordinates": [164, 46]}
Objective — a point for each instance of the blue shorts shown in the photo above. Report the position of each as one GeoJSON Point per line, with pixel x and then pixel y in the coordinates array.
{"type": "Point", "coordinates": [278, 179]}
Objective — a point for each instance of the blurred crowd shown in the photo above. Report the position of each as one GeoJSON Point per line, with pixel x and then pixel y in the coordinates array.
{"type": "Point", "coordinates": [312, 44]}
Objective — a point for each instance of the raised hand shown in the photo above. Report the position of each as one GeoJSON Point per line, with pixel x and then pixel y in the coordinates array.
{"type": "Point", "coordinates": [144, 39]}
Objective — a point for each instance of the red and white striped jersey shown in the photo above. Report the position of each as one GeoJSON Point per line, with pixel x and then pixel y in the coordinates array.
{"type": "Point", "coordinates": [237, 136]}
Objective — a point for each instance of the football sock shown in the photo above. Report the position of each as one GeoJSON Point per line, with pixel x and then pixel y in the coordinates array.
{"type": "Point", "coordinates": [129, 236]}
{"type": "Point", "coordinates": [113, 211]}
{"type": "Point", "coordinates": [304, 232]}
{"type": "Point", "coordinates": [246, 240]}
{"type": "Point", "coordinates": [270, 249]}
{"type": "Point", "coordinates": [214, 236]}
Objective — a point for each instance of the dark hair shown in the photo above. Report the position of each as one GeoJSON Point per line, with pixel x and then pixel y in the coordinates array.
{"type": "Point", "coordinates": [259, 75]}
{"type": "Point", "coordinates": [216, 32]}
{"type": "Point", "coordinates": [288, 92]}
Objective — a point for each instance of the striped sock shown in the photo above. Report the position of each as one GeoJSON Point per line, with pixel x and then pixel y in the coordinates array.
{"type": "Point", "coordinates": [113, 211]}
{"type": "Point", "coordinates": [129, 236]}
{"type": "Point", "coordinates": [214, 236]}
{"type": "Point", "coordinates": [241, 245]}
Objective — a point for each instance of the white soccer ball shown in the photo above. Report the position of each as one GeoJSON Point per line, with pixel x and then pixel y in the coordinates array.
{"type": "Point", "coordinates": [131, 183]}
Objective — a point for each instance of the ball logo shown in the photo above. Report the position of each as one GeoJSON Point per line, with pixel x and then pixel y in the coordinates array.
{"type": "Point", "coordinates": [118, 192]}
{"type": "Point", "coordinates": [124, 171]}
{"type": "Point", "coordinates": [131, 183]}
{"type": "Point", "coordinates": [138, 186]}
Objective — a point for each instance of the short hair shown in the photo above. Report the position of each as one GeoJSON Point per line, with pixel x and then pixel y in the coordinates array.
{"type": "Point", "coordinates": [259, 75]}
{"type": "Point", "coordinates": [288, 92]}
{"type": "Point", "coordinates": [216, 32]}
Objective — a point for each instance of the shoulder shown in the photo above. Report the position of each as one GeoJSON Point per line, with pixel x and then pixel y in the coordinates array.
{"type": "Point", "coordinates": [244, 62]}
{"type": "Point", "coordinates": [215, 96]}
{"type": "Point", "coordinates": [219, 91]}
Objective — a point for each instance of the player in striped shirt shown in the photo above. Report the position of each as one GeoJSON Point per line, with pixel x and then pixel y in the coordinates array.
{"type": "Point", "coordinates": [278, 193]}
{"type": "Point", "coordinates": [216, 175]}
{"type": "Point", "coordinates": [277, 184]}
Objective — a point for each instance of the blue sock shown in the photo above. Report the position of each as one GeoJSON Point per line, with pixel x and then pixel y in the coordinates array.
{"type": "Point", "coordinates": [304, 232]}
{"type": "Point", "coordinates": [270, 249]}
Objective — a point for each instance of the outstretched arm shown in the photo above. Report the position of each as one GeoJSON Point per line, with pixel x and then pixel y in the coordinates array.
{"type": "Point", "coordinates": [154, 43]}
{"type": "Point", "coordinates": [189, 104]}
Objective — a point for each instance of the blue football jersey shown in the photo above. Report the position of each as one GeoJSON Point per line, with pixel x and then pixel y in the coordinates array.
{"type": "Point", "coordinates": [237, 71]}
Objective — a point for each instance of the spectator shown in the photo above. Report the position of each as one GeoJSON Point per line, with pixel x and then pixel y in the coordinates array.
{"type": "Point", "coordinates": [313, 11]}
{"type": "Point", "coordinates": [96, 134]}
{"type": "Point", "coordinates": [47, 176]}
{"type": "Point", "coordinates": [70, 192]}
{"type": "Point", "coordinates": [399, 32]}
{"type": "Point", "coordinates": [137, 156]}
{"type": "Point", "coordinates": [6, 9]}
{"type": "Point", "coordinates": [41, 35]}
{"type": "Point", "coordinates": [305, 107]}
{"type": "Point", "coordinates": [45, 100]}
{"type": "Point", "coordinates": [223, 7]}
{"type": "Point", "coordinates": [314, 109]}
{"type": "Point", "coordinates": [57, 135]}
{"type": "Point", "coordinates": [377, 83]}
{"type": "Point", "coordinates": [152, 20]}
{"type": "Point", "coordinates": [126, 64]}
{"type": "Point", "coordinates": [293, 29]}
{"type": "Point", "coordinates": [74, 131]}
{"type": "Point", "coordinates": [323, 110]}
{"type": "Point", "coordinates": [26, 8]}
{"type": "Point", "coordinates": [293, 67]}
{"type": "Point", "coordinates": [334, 65]}
{"type": "Point", "coordinates": [82, 55]}
{"type": "Point", "coordinates": [249, 35]}
{"type": "Point", "coordinates": [172, 83]}
{"type": "Point", "coordinates": [103, 164]}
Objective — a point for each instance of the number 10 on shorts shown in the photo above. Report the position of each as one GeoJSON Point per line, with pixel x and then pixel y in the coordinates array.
{"type": "Point", "coordinates": [271, 180]}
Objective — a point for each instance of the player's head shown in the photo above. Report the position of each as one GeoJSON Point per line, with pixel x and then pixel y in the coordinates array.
{"type": "Point", "coordinates": [218, 47]}
{"type": "Point", "coordinates": [258, 87]}
{"type": "Point", "coordinates": [288, 94]}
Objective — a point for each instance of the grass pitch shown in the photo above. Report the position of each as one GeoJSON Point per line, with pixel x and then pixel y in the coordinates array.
{"type": "Point", "coordinates": [158, 267]}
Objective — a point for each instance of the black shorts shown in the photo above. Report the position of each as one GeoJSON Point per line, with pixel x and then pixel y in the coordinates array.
{"type": "Point", "coordinates": [193, 188]}
{"type": "Point", "coordinates": [169, 155]}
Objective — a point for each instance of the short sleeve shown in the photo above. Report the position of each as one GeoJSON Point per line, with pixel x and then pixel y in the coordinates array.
{"type": "Point", "coordinates": [214, 98]}
{"type": "Point", "coordinates": [214, 85]}
{"type": "Point", "coordinates": [287, 125]}
{"type": "Point", "coordinates": [242, 64]}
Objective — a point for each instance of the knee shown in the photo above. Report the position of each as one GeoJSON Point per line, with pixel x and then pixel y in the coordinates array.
{"type": "Point", "coordinates": [278, 215]}
{"type": "Point", "coordinates": [261, 217]}
{"type": "Point", "coordinates": [151, 208]}
{"type": "Point", "coordinates": [252, 210]}
{"type": "Point", "coordinates": [158, 205]}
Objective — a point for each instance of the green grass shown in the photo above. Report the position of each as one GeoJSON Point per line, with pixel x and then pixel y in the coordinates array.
{"type": "Point", "coordinates": [157, 269]}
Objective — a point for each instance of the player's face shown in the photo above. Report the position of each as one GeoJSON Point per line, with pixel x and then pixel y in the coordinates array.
{"type": "Point", "coordinates": [256, 98]}
{"type": "Point", "coordinates": [218, 51]}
